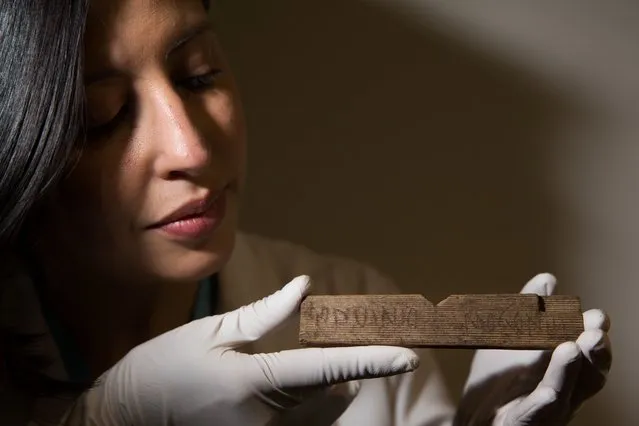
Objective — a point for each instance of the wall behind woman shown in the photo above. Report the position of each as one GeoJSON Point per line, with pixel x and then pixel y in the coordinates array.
{"type": "Point", "coordinates": [457, 148]}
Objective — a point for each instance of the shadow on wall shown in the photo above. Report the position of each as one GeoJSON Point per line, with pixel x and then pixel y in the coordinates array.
{"type": "Point", "coordinates": [394, 145]}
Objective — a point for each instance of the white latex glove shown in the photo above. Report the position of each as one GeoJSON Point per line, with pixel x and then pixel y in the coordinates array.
{"type": "Point", "coordinates": [194, 376]}
{"type": "Point", "coordinates": [526, 388]}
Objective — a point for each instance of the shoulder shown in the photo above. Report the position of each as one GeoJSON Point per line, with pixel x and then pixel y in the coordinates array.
{"type": "Point", "coordinates": [329, 273]}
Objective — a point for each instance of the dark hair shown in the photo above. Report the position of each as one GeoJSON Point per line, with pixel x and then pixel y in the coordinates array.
{"type": "Point", "coordinates": [41, 102]}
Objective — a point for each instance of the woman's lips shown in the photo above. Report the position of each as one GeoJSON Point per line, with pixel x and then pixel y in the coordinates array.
{"type": "Point", "coordinates": [207, 217]}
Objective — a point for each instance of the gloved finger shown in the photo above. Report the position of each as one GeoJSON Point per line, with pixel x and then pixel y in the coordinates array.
{"type": "Point", "coordinates": [596, 319]}
{"type": "Point", "coordinates": [596, 349]}
{"type": "Point", "coordinates": [282, 400]}
{"type": "Point", "coordinates": [303, 368]}
{"type": "Point", "coordinates": [541, 285]}
{"type": "Point", "coordinates": [251, 322]}
{"type": "Point", "coordinates": [563, 369]}
{"type": "Point", "coordinates": [535, 409]}
{"type": "Point", "coordinates": [552, 395]}
{"type": "Point", "coordinates": [323, 408]}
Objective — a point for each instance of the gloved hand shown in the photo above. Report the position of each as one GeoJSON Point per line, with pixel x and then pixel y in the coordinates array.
{"type": "Point", "coordinates": [193, 375]}
{"type": "Point", "coordinates": [526, 388]}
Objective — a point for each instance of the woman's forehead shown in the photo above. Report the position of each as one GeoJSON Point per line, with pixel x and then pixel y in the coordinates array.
{"type": "Point", "coordinates": [100, 8]}
{"type": "Point", "coordinates": [121, 30]}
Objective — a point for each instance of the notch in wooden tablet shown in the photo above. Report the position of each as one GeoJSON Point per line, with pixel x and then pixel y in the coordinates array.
{"type": "Point", "coordinates": [488, 321]}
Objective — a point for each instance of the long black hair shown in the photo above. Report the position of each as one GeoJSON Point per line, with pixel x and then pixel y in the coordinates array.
{"type": "Point", "coordinates": [41, 102]}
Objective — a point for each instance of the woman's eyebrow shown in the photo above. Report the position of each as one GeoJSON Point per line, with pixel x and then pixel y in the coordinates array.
{"type": "Point", "coordinates": [190, 34]}
{"type": "Point", "coordinates": [184, 38]}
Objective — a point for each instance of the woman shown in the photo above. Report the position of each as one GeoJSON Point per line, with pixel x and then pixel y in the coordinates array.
{"type": "Point", "coordinates": [124, 145]}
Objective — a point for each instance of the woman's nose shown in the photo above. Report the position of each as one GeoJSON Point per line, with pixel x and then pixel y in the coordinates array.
{"type": "Point", "coordinates": [182, 150]}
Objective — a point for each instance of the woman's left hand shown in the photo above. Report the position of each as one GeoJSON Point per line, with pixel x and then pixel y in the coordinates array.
{"type": "Point", "coordinates": [530, 388]}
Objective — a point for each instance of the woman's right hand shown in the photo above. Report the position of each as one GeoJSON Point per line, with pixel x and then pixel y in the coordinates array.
{"type": "Point", "coordinates": [194, 376]}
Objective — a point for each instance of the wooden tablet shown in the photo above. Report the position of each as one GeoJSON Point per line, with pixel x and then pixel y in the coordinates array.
{"type": "Point", "coordinates": [489, 321]}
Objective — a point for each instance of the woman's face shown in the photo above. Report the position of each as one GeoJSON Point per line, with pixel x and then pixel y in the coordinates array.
{"type": "Point", "coordinates": [155, 193]}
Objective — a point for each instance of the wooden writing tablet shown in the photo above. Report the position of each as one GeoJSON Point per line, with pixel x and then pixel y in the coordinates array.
{"type": "Point", "coordinates": [489, 321]}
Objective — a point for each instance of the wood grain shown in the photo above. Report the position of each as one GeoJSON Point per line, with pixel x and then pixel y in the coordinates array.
{"type": "Point", "coordinates": [489, 321]}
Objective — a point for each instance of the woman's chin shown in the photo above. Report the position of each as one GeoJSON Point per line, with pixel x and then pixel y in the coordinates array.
{"type": "Point", "coordinates": [184, 265]}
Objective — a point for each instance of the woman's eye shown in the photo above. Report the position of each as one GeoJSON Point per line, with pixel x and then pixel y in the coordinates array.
{"type": "Point", "coordinates": [200, 82]}
{"type": "Point", "coordinates": [107, 128]}
{"type": "Point", "coordinates": [196, 83]}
